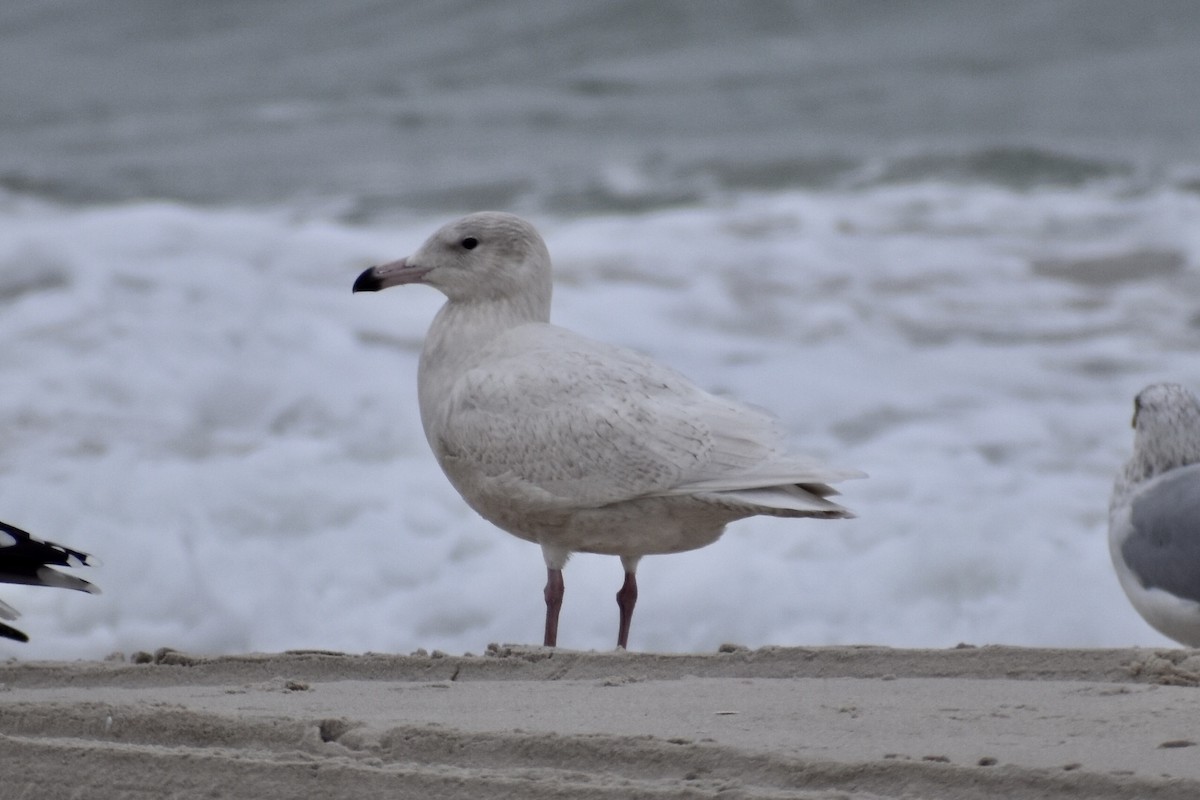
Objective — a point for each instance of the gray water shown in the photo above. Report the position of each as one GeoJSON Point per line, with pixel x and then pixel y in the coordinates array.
{"type": "Point", "coordinates": [368, 107]}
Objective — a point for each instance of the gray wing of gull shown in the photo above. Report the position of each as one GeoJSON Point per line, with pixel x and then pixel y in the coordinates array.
{"type": "Point", "coordinates": [1163, 547]}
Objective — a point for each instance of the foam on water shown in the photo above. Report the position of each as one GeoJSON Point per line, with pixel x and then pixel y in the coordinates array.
{"type": "Point", "coordinates": [196, 397]}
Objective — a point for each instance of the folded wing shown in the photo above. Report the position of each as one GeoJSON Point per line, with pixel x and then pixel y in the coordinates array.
{"type": "Point", "coordinates": [567, 421]}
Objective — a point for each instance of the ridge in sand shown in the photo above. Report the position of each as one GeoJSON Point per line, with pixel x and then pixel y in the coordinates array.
{"type": "Point", "coordinates": [532, 722]}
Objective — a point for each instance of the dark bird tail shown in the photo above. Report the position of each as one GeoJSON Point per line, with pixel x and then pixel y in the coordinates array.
{"type": "Point", "coordinates": [30, 561]}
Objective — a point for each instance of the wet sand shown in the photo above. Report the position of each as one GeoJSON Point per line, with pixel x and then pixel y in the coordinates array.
{"type": "Point", "coordinates": [528, 722]}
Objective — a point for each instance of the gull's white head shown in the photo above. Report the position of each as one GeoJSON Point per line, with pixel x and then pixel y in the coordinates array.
{"type": "Point", "coordinates": [484, 257]}
{"type": "Point", "coordinates": [1166, 423]}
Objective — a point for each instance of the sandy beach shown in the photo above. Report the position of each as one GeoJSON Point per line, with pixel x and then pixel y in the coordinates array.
{"type": "Point", "coordinates": [528, 722]}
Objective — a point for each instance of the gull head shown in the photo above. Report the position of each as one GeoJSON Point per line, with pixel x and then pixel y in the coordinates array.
{"type": "Point", "coordinates": [482, 257]}
{"type": "Point", "coordinates": [1166, 424]}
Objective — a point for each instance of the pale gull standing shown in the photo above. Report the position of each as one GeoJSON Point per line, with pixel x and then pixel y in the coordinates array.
{"type": "Point", "coordinates": [24, 559]}
{"type": "Point", "coordinates": [1154, 513]}
{"type": "Point", "coordinates": [576, 445]}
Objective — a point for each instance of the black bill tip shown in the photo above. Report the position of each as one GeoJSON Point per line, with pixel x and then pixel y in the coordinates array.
{"type": "Point", "coordinates": [368, 281]}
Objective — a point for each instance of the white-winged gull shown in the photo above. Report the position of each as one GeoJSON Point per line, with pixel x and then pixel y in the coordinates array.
{"type": "Point", "coordinates": [573, 444]}
{"type": "Point", "coordinates": [26, 560]}
{"type": "Point", "coordinates": [1154, 513]}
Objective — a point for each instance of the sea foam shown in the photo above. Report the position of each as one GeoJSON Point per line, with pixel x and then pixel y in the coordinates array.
{"type": "Point", "coordinates": [195, 396]}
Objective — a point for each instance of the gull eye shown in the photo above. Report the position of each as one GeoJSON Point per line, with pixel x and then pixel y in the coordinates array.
{"type": "Point", "coordinates": [469, 243]}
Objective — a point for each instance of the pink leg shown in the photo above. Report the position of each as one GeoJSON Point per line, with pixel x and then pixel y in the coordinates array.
{"type": "Point", "coordinates": [626, 600]}
{"type": "Point", "coordinates": [554, 597]}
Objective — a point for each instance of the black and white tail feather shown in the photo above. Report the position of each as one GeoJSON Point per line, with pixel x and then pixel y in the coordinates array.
{"type": "Point", "coordinates": [27, 560]}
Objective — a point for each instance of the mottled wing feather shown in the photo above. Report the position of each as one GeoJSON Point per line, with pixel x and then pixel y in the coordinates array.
{"type": "Point", "coordinates": [596, 439]}
{"type": "Point", "coordinates": [588, 424]}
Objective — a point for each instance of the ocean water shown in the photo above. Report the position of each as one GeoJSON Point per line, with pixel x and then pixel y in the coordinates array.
{"type": "Point", "coordinates": [944, 245]}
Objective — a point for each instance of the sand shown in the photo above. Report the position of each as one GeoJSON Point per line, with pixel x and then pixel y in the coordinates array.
{"type": "Point", "coordinates": [529, 722]}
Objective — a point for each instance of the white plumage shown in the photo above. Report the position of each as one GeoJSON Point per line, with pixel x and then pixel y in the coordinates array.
{"type": "Point", "coordinates": [573, 444]}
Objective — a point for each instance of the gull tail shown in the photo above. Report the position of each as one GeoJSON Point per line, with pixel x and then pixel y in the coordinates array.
{"type": "Point", "coordinates": [30, 561]}
{"type": "Point", "coordinates": [793, 500]}
{"type": "Point", "coordinates": [783, 488]}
